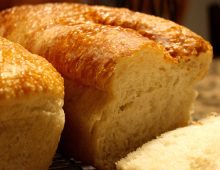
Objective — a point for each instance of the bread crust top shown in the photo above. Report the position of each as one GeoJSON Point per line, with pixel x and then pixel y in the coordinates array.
{"type": "Point", "coordinates": [177, 40]}
{"type": "Point", "coordinates": [23, 73]}
{"type": "Point", "coordinates": [84, 42]}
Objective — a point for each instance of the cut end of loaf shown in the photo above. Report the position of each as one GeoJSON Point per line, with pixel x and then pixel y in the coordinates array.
{"type": "Point", "coordinates": [146, 96]}
{"type": "Point", "coordinates": [150, 95]}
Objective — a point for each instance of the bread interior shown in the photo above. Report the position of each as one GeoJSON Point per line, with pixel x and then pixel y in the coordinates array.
{"type": "Point", "coordinates": [147, 95]}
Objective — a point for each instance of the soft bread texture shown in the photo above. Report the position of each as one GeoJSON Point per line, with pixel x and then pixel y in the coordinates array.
{"type": "Point", "coordinates": [128, 76]}
{"type": "Point", "coordinates": [31, 114]}
{"type": "Point", "coordinates": [195, 147]}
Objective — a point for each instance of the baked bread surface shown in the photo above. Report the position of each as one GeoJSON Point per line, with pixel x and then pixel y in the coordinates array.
{"type": "Point", "coordinates": [128, 76]}
{"type": "Point", "coordinates": [93, 27]}
{"type": "Point", "coordinates": [31, 114]}
{"type": "Point", "coordinates": [24, 74]}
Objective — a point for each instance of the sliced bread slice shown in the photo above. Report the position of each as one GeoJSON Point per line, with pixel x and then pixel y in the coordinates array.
{"type": "Point", "coordinates": [195, 147]}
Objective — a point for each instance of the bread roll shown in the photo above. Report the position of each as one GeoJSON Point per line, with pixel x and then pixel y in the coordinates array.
{"type": "Point", "coordinates": [31, 114]}
{"type": "Point", "coordinates": [194, 147]}
{"type": "Point", "coordinates": [128, 76]}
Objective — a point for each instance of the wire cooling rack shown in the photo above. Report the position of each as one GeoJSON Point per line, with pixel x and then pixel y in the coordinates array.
{"type": "Point", "coordinates": [62, 163]}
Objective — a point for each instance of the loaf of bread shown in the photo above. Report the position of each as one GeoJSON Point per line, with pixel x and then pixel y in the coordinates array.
{"type": "Point", "coordinates": [128, 76]}
{"type": "Point", "coordinates": [195, 147]}
{"type": "Point", "coordinates": [31, 114]}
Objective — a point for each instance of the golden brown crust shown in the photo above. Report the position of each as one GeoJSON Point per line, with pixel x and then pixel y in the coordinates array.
{"type": "Point", "coordinates": [177, 40]}
{"type": "Point", "coordinates": [84, 42]}
{"type": "Point", "coordinates": [91, 59]}
{"type": "Point", "coordinates": [23, 73]}
{"type": "Point", "coordinates": [85, 52]}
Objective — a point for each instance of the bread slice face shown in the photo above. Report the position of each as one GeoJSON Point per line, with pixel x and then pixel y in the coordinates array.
{"type": "Point", "coordinates": [31, 114]}
{"type": "Point", "coordinates": [125, 83]}
{"type": "Point", "coordinates": [141, 102]}
{"type": "Point", "coordinates": [188, 148]}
